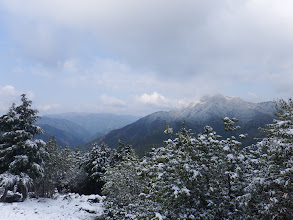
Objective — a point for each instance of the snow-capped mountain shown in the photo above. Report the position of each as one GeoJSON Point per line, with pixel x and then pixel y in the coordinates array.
{"type": "Point", "coordinates": [148, 131]}
{"type": "Point", "coordinates": [219, 106]}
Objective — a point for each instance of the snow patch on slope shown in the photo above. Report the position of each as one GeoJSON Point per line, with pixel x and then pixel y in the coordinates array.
{"type": "Point", "coordinates": [70, 206]}
{"type": "Point", "coordinates": [219, 106]}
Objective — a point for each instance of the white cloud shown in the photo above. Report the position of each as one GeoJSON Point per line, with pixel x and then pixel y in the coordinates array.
{"type": "Point", "coordinates": [48, 107]}
{"type": "Point", "coordinates": [153, 99]}
{"type": "Point", "coordinates": [8, 95]}
{"type": "Point", "coordinates": [253, 95]}
{"type": "Point", "coordinates": [9, 90]}
{"type": "Point", "coordinates": [159, 100]}
{"type": "Point", "coordinates": [70, 65]}
{"type": "Point", "coordinates": [112, 101]}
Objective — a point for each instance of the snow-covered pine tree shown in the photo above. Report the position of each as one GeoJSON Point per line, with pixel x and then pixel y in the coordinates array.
{"type": "Point", "coordinates": [49, 181]}
{"type": "Point", "coordinates": [62, 170]}
{"type": "Point", "coordinates": [66, 169]}
{"type": "Point", "coordinates": [98, 159]}
{"type": "Point", "coordinates": [173, 175]}
{"type": "Point", "coordinates": [232, 184]}
{"type": "Point", "coordinates": [76, 175]}
{"type": "Point", "coordinates": [270, 190]}
{"type": "Point", "coordinates": [123, 184]}
{"type": "Point", "coordinates": [123, 152]}
{"type": "Point", "coordinates": [207, 153]}
{"type": "Point", "coordinates": [21, 157]}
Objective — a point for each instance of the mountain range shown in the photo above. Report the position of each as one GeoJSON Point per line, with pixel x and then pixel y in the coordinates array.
{"type": "Point", "coordinates": [76, 129]}
{"type": "Point", "coordinates": [83, 129]}
{"type": "Point", "coordinates": [148, 131]}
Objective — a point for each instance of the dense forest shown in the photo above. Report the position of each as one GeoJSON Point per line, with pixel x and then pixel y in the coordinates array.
{"type": "Point", "coordinates": [193, 176]}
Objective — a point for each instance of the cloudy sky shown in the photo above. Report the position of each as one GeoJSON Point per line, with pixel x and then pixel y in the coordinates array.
{"type": "Point", "coordinates": [137, 57]}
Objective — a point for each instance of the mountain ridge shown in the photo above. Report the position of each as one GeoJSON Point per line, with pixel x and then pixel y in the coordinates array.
{"type": "Point", "coordinates": [96, 122]}
{"type": "Point", "coordinates": [76, 129]}
{"type": "Point", "coordinates": [147, 132]}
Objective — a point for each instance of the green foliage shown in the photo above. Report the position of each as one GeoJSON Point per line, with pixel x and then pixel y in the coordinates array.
{"type": "Point", "coordinates": [123, 152]}
{"type": "Point", "coordinates": [173, 177]}
{"type": "Point", "coordinates": [47, 183]}
{"type": "Point", "coordinates": [123, 184]}
{"type": "Point", "coordinates": [186, 179]}
{"type": "Point", "coordinates": [194, 176]}
{"type": "Point", "coordinates": [229, 124]}
{"type": "Point", "coordinates": [98, 159]}
{"type": "Point", "coordinates": [62, 170]}
{"type": "Point", "coordinates": [197, 177]}
{"type": "Point", "coordinates": [270, 189]}
{"type": "Point", "coordinates": [21, 157]}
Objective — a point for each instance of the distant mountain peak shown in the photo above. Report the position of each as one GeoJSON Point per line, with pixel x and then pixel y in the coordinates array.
{"type": "Point", "coordinates": [220, 98]}
{"type": "Point", "coordinates": [215, 103]}
{"type": "Point", "coordinates": [214, 99]}
{"type": "Point", "coordinates": [148, 131]}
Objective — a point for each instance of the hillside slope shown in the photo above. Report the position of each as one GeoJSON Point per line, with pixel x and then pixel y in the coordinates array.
{"type": "Point", "coordinates": [148, 131]}
{"type": "Point", "coordinates": [67, 133]}
{"type": "Point", "coordinates": [76, 129]}
{"type": "Point", "coordinates": [96, 122]}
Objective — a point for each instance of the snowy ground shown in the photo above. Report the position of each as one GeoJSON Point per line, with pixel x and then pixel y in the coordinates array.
{"type": "Point", "coordinates": [70, 206]}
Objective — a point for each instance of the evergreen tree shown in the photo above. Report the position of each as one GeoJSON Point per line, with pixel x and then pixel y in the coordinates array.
{"type": "Point", "coordinates": [198, 177]}
{"type": "Point", "coordinates": [123, 184]}
{"type": "Point", "coordinates": [95, 167]}
{"type": "Point", "coordinates": [270, 190]}
{"type": "Point", "coordinates": [233, 172]}
{"type": "Point", "coordinates": [76, 176]}
{"type": "Point", "coordinates": [190, 178]}
{"type": "Point", "coordinates": [203, 177]}
{"type": "Point", "coordinates": [21, 157]}
{"type": "Point", "coordinates": [207, 154]}
{"type": "Point", "coordinates": [123, 152]}
{"type": "Point", "coordinates": [173, 176]}
{"type": "Point", "coordinates": [49, 181]}
{"type": "Point", "coordinates": [66, 170]}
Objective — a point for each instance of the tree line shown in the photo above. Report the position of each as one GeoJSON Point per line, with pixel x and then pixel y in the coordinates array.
{"type": "Point", "coordinates": [194, 176]}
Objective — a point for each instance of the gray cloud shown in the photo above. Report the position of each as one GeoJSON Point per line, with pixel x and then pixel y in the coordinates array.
{"type": "Point", "coordinates": [173, 47]}
{"type": "Point", "coordinates": [186, 37]}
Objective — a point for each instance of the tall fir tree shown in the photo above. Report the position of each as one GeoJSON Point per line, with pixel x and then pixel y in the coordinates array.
{"type": "Point", "coordinates": [233, 172]}
{"type": "Point", "coordinates": [270, 189]}
{"type": "Point", "coordinates": [21, 157]}
{"type": "Point", "coordinates": [98, 160]}
{"type": "Point", "coordinates": [47, 184]}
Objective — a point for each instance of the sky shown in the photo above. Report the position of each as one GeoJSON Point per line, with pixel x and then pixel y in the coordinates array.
{"type": "Point", "coordinates": [138, 57]}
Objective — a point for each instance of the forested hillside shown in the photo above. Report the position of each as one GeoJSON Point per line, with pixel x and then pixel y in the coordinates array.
{"type": "Point", "coordinates": [147, 132]}
{"type": "Point", "coordinates": [193, 176]}
{"type": "Point", "coordinates": [77, 129]}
